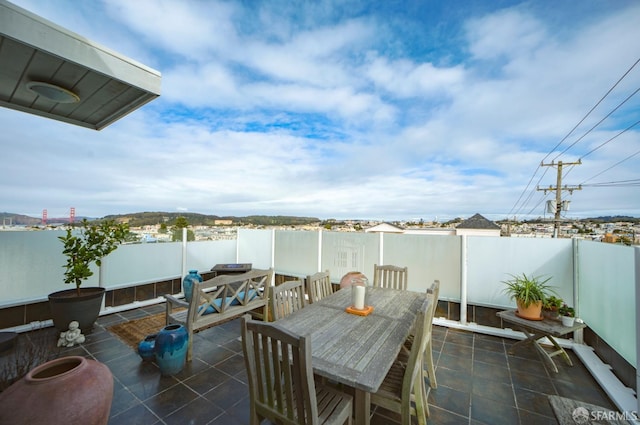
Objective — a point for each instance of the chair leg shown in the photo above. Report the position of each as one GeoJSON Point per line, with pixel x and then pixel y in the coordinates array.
{"type": "Point", "coordinates": [254, 419]}
{"type": "Point", "coordinates": [420, 399]}
{"type": "Point", "coordinates": [425, 397]}
{"type": "Point", "coordinates": [431, 372]}
{"type": "Point", "coordinates": [190, 346]}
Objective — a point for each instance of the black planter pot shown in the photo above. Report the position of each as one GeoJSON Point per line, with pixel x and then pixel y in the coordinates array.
{"type": "Point", "coordinates": [67, 306]}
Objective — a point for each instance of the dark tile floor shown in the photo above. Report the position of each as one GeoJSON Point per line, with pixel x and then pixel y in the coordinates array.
{"type": "Point", "coordinates": [478, 381]}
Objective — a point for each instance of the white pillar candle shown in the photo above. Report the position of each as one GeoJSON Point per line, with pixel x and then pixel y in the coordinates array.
{"type": "Point", "coordinates": [359, 301]}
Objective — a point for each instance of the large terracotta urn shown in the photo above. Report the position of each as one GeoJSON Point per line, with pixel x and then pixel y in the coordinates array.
{"type": "Point", "coordinates": [70, 390]}
{"type": "Point", "coordinates": [351, 278]}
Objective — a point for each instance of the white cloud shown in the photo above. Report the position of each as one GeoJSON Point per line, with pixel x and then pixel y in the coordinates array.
{"type": "Point", "coordinates": [328, 109]}
{"type": "Point", "coordinates": [187, 29]}
{"type": "Point", "coordinates": [509, 32]}
{"type": "Point", "coordinates": [405, 78]}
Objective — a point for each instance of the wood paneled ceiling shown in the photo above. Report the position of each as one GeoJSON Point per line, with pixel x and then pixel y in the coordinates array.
{"type": "Point", "coordinates": [32, 49]}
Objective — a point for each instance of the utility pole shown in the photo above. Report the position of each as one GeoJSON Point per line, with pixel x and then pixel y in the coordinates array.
{"type": "Point", "coordinates": [558, 189]}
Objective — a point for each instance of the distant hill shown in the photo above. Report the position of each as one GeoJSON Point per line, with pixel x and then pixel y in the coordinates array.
{"type": "Point", "coordinates": [613, 219]}
{"type": "Point", "coordinates": [25, 220]}
{"type": "Point", "coordinates": [195, 219]}
{"type": "Point", "coordinates": [158, 217]}
{"type": "Point", "coordinates": [20, 220]}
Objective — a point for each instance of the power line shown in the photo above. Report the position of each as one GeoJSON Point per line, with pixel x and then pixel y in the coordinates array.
{"type": "Point", "coordinates": [598, 123]}
{"type": "Point", "coordinates": [525, 190]}
{"type": "Point", "coordinates": [621, 183]}
{"type": "Point", "coordinates": [611, 139]}
{"type": "Point", "coordinates": [565, 137]}
{"type": "Point", "coordinates": [614, 165]}
{"type": "Point", "coordinates": [604, 143]}
{"type": "Point", "coordinates": [593, 108]}
{"type": "Point", "coordinates": [535, 207]}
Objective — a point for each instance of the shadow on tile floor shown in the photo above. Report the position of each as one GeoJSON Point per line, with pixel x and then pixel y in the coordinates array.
{"type": "Point", "coordinates": [479, 382]}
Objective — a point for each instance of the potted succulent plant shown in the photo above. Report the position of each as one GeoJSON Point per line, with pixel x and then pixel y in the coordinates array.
{"type": "Point", "coordinates": [95, 241]}
{"type": "Point", "coordinates": [568, 315]}
{"type": "Point", "coordinates": [529, 292]}
{"type": "Point", "coordinates": [550, 307]}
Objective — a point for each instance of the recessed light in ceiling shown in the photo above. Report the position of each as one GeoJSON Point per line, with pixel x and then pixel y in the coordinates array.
{"type": "Point", "coordinates": [52, 92]}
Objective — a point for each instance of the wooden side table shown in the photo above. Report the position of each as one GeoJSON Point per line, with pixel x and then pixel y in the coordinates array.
{"type": "Point", "coordinates": [535, 330]}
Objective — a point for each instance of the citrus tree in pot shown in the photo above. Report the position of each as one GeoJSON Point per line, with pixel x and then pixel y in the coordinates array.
{"type": "Point", "coordinates": [91, 245]}
{"type": "Point", "coordinates": [529, 292]}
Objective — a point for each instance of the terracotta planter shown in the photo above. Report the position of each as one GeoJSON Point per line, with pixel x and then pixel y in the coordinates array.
{"type": "Point", "coordinates": [67, 306]}
{"type": "Point", "coordinates": [347, 279]}
{"type": "Point", "coordinates": [533, 312]}
{"type": "Point", "coordinates": [69, 390]}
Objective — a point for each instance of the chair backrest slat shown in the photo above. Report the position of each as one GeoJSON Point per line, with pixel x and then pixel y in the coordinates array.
{"type": "Point", "coordinates": [281, 386]}
{"type": "Point", "coordinates": [319, 286]}
{"type": "Point", "coordinates": [389, 276]}
{"type": "Point", "coordinates": [286, 298]}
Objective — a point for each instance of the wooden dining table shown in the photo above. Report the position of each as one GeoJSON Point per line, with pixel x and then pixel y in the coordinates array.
{"type": "Point", "coordinates": [354, 350]}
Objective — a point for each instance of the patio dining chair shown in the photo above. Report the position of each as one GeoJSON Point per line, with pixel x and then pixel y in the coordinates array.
{"type": "Point", "coordinates": [428, 370]}
{"type": "Point", "coordinates": [280, 376]}
{"type": "Point", "coordinates": [389, 276]}
{"type": "Point", "coordinates": [286, 298]}
{"type": "Point", "coordinates": [401, 390]}
{"type": "Point", "coordinates": [319, 286]}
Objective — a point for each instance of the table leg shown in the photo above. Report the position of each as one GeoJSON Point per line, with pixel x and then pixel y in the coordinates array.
{"type": "Point", "coordinates": [532, 338]}
{"type": "Point", "coordinates": [362, 407]}
{"type": "Point", "coordinates": [560, 351]}
{"type": "Point", "coordinates": [546, 355]}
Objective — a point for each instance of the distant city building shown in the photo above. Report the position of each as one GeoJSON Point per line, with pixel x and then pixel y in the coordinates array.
{"type": "Point", "coordinates": [223, 222]}
{"type": "Point", "coordinates": [385, 228]}
{"type": "Point", "coordinates": [477, 225]}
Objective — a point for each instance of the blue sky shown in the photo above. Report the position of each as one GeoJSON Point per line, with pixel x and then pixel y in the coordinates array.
{"type": "Point", "coordinates": [389, 110]}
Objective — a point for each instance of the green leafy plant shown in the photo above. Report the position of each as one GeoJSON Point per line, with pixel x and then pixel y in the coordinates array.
{"type": "Point", "coordinates": [96, 240]}
{"type": "Point", "coordinates": [552, 303]}
{"type": "Point", "coordinates": [565, 310]}
{"type": "Point", "coordinates": [527, 289]}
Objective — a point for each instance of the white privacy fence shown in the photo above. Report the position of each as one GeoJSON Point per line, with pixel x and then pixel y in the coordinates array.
{"type": "Point", "coordinates": [598, 278]}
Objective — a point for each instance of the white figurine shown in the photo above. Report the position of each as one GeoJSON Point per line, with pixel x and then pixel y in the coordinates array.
{"type": "Point", "coordinates": [72, 336]}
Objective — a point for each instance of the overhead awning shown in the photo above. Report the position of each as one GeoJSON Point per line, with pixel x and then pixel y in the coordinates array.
{"type": "Point", "coordinates": [52, 72]}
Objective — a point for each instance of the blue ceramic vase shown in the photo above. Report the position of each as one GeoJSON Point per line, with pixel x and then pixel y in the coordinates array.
{"type": "Point", "coordinates": [171, 349]}
{"type": "Point", "coordinates": [147, 347]}
{"type": "Point", "coordinates": [187, 283]}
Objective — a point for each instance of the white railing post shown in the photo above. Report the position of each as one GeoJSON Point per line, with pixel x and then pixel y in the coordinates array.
{"type": "Point", "coordinates": [319, 250]}
{"type": "Point", "coordinates": [578, 336]}
{"type": "Point", "coordinates": [184, 253]}
{"type": "Point", "coordinates": [463, 280]}
{"type": "Point", "coordinates": [237, 244]}
{"type": "Point", "coordinates": [637, 261]}
{"type": "Point", "coordinates": [273, 249]}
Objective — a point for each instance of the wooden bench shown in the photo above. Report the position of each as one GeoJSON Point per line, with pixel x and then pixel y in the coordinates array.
{"type": "Point", "coordinates": [219, 299]}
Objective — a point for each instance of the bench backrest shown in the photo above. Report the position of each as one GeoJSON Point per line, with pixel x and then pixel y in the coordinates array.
{"type": "Point", "coordinates": [221, 293]}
